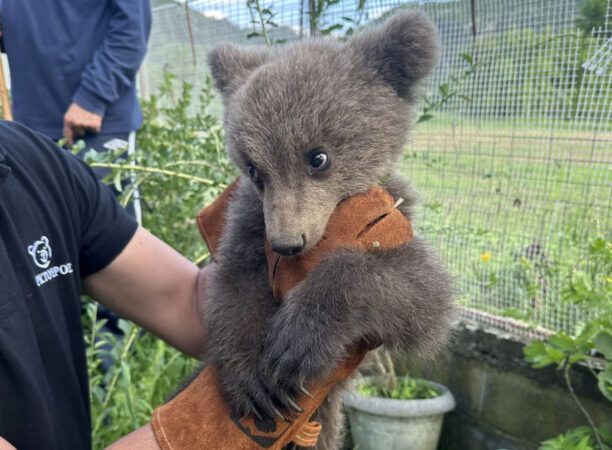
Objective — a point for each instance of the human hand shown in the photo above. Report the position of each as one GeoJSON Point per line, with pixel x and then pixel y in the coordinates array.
{"type": "Point", "coordinates": [5, 445]}
{"type": "Point", "coordinates": [78, 121]}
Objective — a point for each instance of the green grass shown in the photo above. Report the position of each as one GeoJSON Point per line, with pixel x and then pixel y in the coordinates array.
{"type": "Point", "coordinates": [530, 198]}
{"type": "Point", "coordinates": [488, 194]}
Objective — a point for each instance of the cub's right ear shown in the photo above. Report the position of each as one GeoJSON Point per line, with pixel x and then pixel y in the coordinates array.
{"type": "Point", "coordinates": [231, 65]}
{"type": "Point", "coordinates": [402, 51]}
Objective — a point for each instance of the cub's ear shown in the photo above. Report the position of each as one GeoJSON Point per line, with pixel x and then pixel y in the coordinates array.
{"type": "Point", "coordinates": [231, 65]}
{"type": "Point", "coordinates": [402, 51]}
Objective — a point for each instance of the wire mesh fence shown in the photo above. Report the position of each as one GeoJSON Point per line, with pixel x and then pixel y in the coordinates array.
{"type": "Point", "coordinates": [513, 154]}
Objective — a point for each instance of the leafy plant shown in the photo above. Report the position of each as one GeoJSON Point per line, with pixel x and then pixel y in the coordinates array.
{"type": "Point", "coordinates": [179, 167]}
{"type": "Point", "coordinates": [317, 10]}
{"type": "Point", "coordinates": [406, 388]}
{"type": "Point", "coordinates": [592, 15]}
{"type": "Point", "coordinates": [261, 19]}
{"type": "Point", "coordinates": [387, 384]}
{"type": "Point", "coordinates": [580, 438]}
{"type": "Point", "coordinates": [128, 377]}
{"type": "Point", "coordinates": [449, 89]}
{"type": "Point", "coordinates": [589, 284]}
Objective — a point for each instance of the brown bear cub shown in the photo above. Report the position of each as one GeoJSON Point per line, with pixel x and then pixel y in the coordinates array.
{"type": "Point", "coordinates": [310, 124]}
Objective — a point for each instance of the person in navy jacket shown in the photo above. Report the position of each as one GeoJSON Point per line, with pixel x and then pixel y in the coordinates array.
{"type": "Point", "coordinates": [73, 66]}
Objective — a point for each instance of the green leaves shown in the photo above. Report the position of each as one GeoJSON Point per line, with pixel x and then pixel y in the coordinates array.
{"type": "Point", "coordinates": [604, 382]}
{"type": "Point", "coordinates": [576, 439]}
{"type": "Point", "coordinates": [539, 354]}
{"type": "Point", "coordinates": [424, 118]}
{"type": "Point", "coordinates": [180, 166]}
{"type": "Point", "coordinates": [444, 90]}
{"type": "Point", "coordinates": [560, 349]}
{"type": "Point", "coordinates": [468, 58]}
{"type": "Point", "coordinates": [603, 344]}
{"type": "Point", "coordinates": [588, 285]}
{"type": "Point", "coordinates": [448, 90]}
{"type": "Point", "coordinates": [330, 29]}
{"type": "Point", "coordinates": [407, 388]}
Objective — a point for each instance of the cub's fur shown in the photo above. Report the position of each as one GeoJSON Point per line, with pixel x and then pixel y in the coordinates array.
{"type": "Point", "coordinates": [353, 101]}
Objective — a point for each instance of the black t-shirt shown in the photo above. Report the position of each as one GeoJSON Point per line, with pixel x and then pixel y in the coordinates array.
{"type": "Point", "coordinates": [58, 224]}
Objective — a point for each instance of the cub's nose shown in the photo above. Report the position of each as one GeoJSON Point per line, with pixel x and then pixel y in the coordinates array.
{"type": "Point", "coordinates": [288, 247]}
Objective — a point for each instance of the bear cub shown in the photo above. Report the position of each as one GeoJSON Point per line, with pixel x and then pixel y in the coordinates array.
{"type": "Point", "coordinates": [309, 124]}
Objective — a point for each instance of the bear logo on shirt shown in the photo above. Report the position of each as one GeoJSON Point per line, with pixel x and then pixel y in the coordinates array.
{"type": "Point", "coordinates": [41, 252]}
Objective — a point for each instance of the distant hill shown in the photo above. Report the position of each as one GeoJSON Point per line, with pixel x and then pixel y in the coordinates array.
{"type": "Point", "coordinates": [173, 49]}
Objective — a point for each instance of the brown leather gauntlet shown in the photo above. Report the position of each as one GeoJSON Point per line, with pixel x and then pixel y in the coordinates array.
{"type": "Point", "coordinates": [199, 418]}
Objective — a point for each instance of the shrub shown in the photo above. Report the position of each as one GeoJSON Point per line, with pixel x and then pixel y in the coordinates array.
{"type": "Point", "coordinates": [179, 167]}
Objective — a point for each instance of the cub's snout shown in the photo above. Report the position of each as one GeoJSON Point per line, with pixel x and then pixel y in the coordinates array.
{"type": "Point", "coordinates": [288, 245]}
{"type": "Point", "coordinates": [295, 220]}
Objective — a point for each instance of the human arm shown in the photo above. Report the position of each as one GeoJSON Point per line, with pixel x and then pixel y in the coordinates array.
{"type": "Point", "coordinates": [140, 439]}
{"type": "Point", "coordinates": [154, 286]}
{"type": "Point", "coordinates": [5, 445]}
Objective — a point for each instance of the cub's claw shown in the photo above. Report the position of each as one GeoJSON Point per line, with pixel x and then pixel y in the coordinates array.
{"type": "Point", "coordinates": [288, 402]}
{"type": "Point", "coordinates": [304, 391]}
{"type": "Point", "coordinates": [294, 405]}
{"type": "Point", "coordinates": [278, 414]}
{"type": "Point", "coordinates": [256, 413]}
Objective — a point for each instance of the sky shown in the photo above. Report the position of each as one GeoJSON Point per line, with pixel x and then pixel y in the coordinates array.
{"type": "Point", "coordinates": [287, 11]}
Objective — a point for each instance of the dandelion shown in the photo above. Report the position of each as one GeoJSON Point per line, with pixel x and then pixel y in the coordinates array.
{"type": "Point", "coordinates": [485, 257]}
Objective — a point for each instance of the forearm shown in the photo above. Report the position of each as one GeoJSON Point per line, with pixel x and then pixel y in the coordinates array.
{"type": "Point", "coordinates": [173, 317]}
{"type": "Point", "coordinates": [401, 297]}
{"type": "Point", "coordinates": [140, 439]}
{"type": "Point", "coordinates": [157, 288]}
{"type": "Point", "coordinates": [5, 445]}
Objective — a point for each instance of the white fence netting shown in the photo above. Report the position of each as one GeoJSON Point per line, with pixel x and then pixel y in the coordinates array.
{"type": "Point", "coordinates": [514, 165]}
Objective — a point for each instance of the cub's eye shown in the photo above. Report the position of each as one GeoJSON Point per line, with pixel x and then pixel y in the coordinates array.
{"type": "Point", "coordinates": [253, 173]}
{"type": "Point", "coordinates": [318, 161]}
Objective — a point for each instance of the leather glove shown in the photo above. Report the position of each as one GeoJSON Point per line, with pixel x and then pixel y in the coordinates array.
{"type": "Point", "coordinates": [199, 418]}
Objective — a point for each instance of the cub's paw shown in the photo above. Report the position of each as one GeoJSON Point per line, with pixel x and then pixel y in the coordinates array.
{"type": "Point", "coordinates": [296, 354]}
{"type": "Point", "coordinates": [247, 394]}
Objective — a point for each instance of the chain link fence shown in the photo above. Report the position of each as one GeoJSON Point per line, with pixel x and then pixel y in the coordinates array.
{"type": "Point", "coordinates": [514, 150]}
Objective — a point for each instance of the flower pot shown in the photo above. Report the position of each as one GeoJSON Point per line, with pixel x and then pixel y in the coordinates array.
{"type": "Point", "coordinates": [380, 423]}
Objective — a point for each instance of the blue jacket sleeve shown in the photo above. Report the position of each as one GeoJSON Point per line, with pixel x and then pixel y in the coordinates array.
{"type": "Point", "coordinates": [117, 60]}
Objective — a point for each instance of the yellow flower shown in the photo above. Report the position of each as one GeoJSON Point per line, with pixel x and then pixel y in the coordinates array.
{"type": "Point", "coordinates": [485, 257]}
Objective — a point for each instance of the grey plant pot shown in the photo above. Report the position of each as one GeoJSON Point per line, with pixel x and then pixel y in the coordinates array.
{"type": "Point", "coordinates": [387, 424]}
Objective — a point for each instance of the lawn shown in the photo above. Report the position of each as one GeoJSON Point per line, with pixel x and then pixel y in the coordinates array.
{"type": "Point", "coordinates": [512, 208]}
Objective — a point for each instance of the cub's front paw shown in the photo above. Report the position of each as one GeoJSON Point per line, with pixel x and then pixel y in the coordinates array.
{"type": "Point", "coordinates": [297, 353]}
{"type": "Point", "coordinates": [245, 393]}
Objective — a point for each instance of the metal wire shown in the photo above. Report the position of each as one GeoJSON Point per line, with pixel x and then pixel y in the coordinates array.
{"type": "Point", "coordinates": [514, 170]}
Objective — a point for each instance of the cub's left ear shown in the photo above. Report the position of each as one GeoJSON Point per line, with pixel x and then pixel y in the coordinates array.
{"type": "Point", "coordinates": [402, 51]}
{"type": "Point", "coordinates": [231, 65]}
